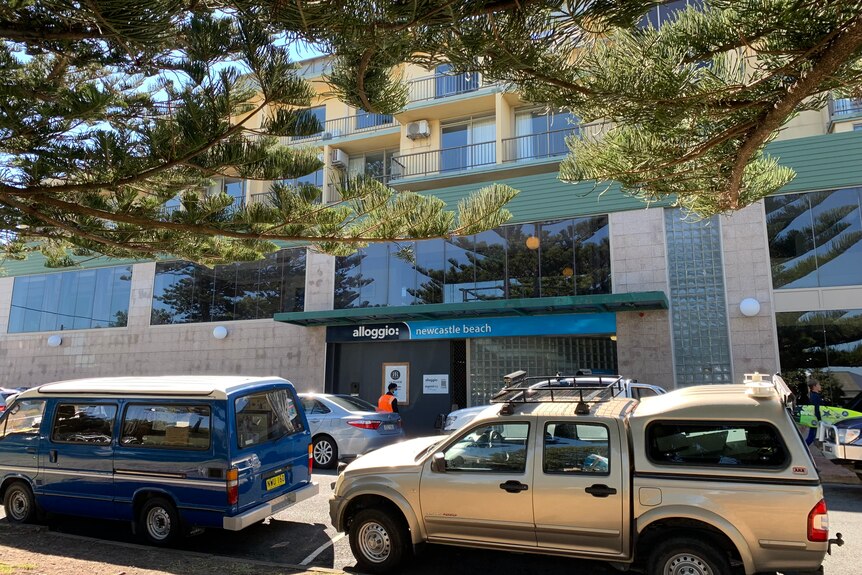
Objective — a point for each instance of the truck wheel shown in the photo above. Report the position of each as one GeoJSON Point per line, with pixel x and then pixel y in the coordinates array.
{"type": "Point", "coordinates": [684, 556]}
{"type": "Point", "coordinates": [378, 541]}
{"type": "Point", "coordinates": [19, 503]}
{"type": "Point", "coordinates": [159, 522]}
{"type": "Point", "coordinates": [325, 452]}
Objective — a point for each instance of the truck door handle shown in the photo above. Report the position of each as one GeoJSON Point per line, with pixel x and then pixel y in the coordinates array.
{"type": "Point", "coordinates": [52, 456]}
{"type": "Point", "coordinates": [600, 490]}
{"type": "Point", "coordinates": [513, 486]}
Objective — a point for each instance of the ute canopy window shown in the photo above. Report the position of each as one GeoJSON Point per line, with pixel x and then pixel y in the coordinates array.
{"type": "Point", "coordinates": [266, 416]}
{"type": "Point", "coordinates": [722, 444]}
{"type": "Point", "coordinates": [168, 426]}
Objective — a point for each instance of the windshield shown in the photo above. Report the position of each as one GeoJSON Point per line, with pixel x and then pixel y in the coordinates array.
{"type": "Point", "coordinates": [351, 403]}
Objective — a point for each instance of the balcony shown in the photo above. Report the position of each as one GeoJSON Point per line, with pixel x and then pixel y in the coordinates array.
{"type": "Point", "coordinates": [443, 161]}
{"type": "Point", "coordinates": [844, 107]}
{"type": "Point", "coordinates": [537, 146]}
{"type": "Point", "coordinates": [361, 123]}
{"type": "Point", "coordinates": [442, 86]}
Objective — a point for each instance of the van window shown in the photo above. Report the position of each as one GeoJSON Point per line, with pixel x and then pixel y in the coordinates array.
{"type": "Point", "coordinates": [576, 448]}
{"type": "Point", "coordinates": [262, 417]}
{"type": "Point", "coordinates": [171, 426]}
{"type": "Point", "coordinates": [720, 443]}
{"type": "Point", "coordinates": [84, 423]}
{"type": "Point", "coordinates": [24, 417]}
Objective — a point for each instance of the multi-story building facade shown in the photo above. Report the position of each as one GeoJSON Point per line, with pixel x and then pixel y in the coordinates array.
{"type": "Point", "coordinates": [581, 278]}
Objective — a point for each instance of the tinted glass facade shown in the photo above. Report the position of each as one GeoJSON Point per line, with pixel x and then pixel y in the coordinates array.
{"type": "Point", "coordinates": [815, 238]}
{"type": "Point", "coordinates": [819, 339]}
{"type": "Point", "coordinates": [558, 258]}
{"type": "Point", "coordinates": [185, 292]}
{"type": "Point", "coordinates": [81, 299]}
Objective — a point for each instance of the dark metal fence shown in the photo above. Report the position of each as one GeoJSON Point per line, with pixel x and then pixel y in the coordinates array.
{"type": "Point", "coordinates": [447, 160]}
{"type": "Point", "coordinates": [845, 107]}
{"type": "Point", "coordinates": [534, 146]}
{"type": "Point", "coordinates": [442, 86]}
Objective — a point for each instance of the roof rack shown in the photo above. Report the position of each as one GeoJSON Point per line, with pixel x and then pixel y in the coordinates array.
{"type": "Point", "coordinates": [761, 385]}
{"type": "Point", "coordinates": [581, 389]}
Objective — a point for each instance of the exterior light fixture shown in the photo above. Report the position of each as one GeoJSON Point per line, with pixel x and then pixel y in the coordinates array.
{"type": "Point", "coordinates": [568, 272]}
{"type": "Point", "coordinates": [532, 243]}
{"type": "Point", "coordinates": [749, 307]}
{"type": "Point", "coordinates": [54, 340]}
{"type": "Point", "coordinates": [613, 338]}
{"type": "Point", "coordinates": [220, 332]}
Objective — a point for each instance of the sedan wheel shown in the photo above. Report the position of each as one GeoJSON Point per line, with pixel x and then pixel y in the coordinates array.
{"type": "Point", "coordinates": [325, 452]}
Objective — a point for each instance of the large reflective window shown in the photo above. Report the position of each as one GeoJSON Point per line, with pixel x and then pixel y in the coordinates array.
{"type": "Point", "coordinates": [815, 239]}
{"type": "Point", "coordinates": [820, 339]}
{"type": "Point", "coordinates": [402, 274]}
{"type": "Point", "coordinates": [430, 272]}
{"type": "Point", "coordinates": [557, 255]}
{"type": "Point", "coordinates": [185, 292]}
{"type": "Point", "coordinates": [592, 256]}
{"type": "Point", "coordinates": [523, 261]}
{"type": "Point", "coordinates": [83, 299]}
{"type": "Point", "coordinates": [491, 258]}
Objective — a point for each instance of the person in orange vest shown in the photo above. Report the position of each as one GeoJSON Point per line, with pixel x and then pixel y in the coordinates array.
{"type": "Point", "coordinates": [387, 402]}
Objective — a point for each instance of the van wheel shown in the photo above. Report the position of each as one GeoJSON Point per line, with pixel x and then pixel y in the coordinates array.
{"type": "Point", "coordinates": [159, 522]}
{"type": "Point", "coordinates": [325, 452]}
{"type": "Point", "coordinates": [379, 542]}
{"type": "Point", "coordinates": [685, 556]}
{"type": "Point", "coordinates": [19, 503]}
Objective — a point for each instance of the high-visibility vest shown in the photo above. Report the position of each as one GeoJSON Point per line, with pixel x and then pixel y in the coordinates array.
{"type": "Point", "coordinates": [384, 404]}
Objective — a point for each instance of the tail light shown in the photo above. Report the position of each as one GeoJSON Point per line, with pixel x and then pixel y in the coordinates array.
{"type": "Point", "coordinates": [310, 457]}
{"type": "Point", "coordinates": [364, 423]}
{"type": "Point", "coordinates": [232, 486]}
{"type": "Point", "coordinates": [818, 523]}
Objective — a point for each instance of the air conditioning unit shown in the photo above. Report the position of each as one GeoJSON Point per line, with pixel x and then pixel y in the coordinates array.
{"type": "Point", "coordinates": [338, 158]}
{"type": "Point", "coordinates": [418, 129]}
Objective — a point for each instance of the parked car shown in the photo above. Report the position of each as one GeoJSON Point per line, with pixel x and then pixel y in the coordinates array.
{"type": "Point", "coordinates": [842, 441]}
{"type": "Point", "coordinates": [708, 480]}
{"type": "Point", "coordinates": [170, 454]}
{"type": "Point", "coordinates": [344, 427]}
{"type": "Point", "coordinates": [7, 395]}
{"type": "Point", "coordinates": [461, 417]}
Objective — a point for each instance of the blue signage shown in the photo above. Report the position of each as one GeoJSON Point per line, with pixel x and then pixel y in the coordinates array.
{"type": "Point", "coordinates": [562, 324]}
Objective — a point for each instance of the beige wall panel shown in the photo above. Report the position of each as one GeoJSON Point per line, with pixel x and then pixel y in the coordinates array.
{"type": "Point", "coordinates": [797, 300]}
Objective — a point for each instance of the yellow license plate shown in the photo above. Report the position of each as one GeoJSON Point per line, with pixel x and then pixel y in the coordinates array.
{"type": "Point", "coordinates": [274, 482]}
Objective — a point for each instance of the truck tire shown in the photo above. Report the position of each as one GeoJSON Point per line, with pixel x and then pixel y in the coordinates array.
{"type": "Point", "coordinates": [159, 522]}
{"type": "Point", "coordinates": [379, 541]}
{"type": "Point", "coordinates": [687, 556]}
{"type": "Point", "coordinates": [19, 503]}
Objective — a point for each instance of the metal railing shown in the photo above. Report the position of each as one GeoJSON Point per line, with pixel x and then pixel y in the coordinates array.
{"type": "Point", "coordinates": [442, 161]}
{"type": "Point", "coordinates": [363, 122]}
{"type": "Point", "coordinates": [535, 146]}
{"type": "Point", "coordinates": [845, 107]}
{"type": "Point", "coordinates": [442, 86]}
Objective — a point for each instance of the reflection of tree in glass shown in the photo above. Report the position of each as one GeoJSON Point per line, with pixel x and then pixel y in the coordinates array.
{"type": "Point", "coordinates": [121, 319]}
{"type": "Point", "coordinates": [349, 281]}
{"type": "Point", "coordinates": [820, 339]}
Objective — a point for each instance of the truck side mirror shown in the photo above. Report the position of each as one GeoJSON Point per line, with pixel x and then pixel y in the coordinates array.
{"type": "Point", "coordinates": [438, 463]}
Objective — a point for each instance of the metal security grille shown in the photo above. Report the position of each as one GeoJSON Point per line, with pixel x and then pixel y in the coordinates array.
{"type": "Point", "coordinates": [458, 382]}
{"type": "Point", "coordinates": [492, 358]}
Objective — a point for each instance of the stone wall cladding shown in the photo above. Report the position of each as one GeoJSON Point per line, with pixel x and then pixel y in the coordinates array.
{"type": "Point", "coordinates": [747, 275]}
{"type": "Point", "coordinates": [639, 263]}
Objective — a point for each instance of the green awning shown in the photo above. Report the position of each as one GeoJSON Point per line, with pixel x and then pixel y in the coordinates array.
{"type": "Point", "coordinates": [618, 302]}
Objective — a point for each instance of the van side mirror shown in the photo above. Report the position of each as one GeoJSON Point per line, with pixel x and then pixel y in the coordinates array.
{"type": "Point", "coordinates": [438, 463]}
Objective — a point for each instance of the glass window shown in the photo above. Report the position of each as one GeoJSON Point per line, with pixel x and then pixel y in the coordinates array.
{"type": "Point", "coordinates": [820, 339]}
{"type": "Point", "coordinates": [84, 423]}
{"type": "Point", "coordinates": [24, 417]}
{"type": "Point", "coordinates": [374, 288]}
{"type": "Point", "coordinates": [576, 448]}
{"type": "Point", "coordinates": [641, 392]}
{"type": "Point", "coordinates": [69, 300]}
{"type": "Point", "coordinates": [351, 403]}
{"type": "Point", "coordinates": [557, 258]}
{"type": "Point", "coordinates": [402, 274]}
{"type": "Point", "coordinates": [368, 120]}
{"type": "Point", "coordinates": [491, 262]}
{"type": "Point", "coordinates": [313, 407]}
{"type": "Point", "coordinates": [500, 448]}
{"type": "Point", "coordinates": [719, 443]}
{"type": "Point", "coordinates": [266, 416]}
{"type": "Point", "coordinates": [171, 426]}
{"type": "Point", "coordinates": [451, 84]}
{"type": "Point", "coordinates": [592, 256]}
{"type": "Point", "coordinates": [523, 261]}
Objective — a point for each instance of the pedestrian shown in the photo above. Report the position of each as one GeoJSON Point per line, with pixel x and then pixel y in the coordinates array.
{"type": "Point", "coordinates": [816, 400]}
{"type": "Point", "coordinates": [388, 403]}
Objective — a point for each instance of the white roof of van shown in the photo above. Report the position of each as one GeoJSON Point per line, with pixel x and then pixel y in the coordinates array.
{"type": "Point", "coordinates": [214, 386]}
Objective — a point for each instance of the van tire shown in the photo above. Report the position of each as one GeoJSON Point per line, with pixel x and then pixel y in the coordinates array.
{"type": "Point", "coordinates": [687, 555]}
{"type": "Point", "coordinates": [19, 503]}
{"type": "Point", "coordinates": [325, 452]}
{"type": "Point", "coordinates": [159, 522]}
{"type": "Point", "coordinates": [379, 541]}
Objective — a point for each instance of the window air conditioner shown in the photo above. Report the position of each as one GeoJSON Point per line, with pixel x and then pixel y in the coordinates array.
{"type": "Point", "coordinates": [418, 129]}
{"type": "Point", "coordinates": [338, 158]}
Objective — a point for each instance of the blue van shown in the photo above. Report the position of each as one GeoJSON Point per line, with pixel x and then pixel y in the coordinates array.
{"type": "Point", "coordinates": [169, 454]}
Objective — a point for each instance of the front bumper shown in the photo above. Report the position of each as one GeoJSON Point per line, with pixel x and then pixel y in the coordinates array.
{"type": "Point", "coordinates": [261, 512]}
{"type": "Point", "coordinates": [336, 506]}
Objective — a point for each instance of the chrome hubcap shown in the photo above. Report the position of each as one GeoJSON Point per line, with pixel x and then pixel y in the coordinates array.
{"type": "Point", "coordinates": [322, 452]}
{"type": "Point", "coordinates": [687, 564]}
{"type": "Point", "coordinates": [19, 505]}
{"type": "Point", "coordinates": [158, 523]}
{"type": "Point", "coordinates": [374, 542]}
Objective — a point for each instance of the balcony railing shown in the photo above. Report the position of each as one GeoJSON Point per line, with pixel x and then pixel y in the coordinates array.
{"type": "Point", "coordinates": [442, 86]}
{"type": "Point", "coordinates": [845, 107]}
{"type": "Point", "coordinates": [535, 146]}
{"type": "Point", "coordinates": [442, 161]}
{"type": "Point", "coordinates": [347, 126]}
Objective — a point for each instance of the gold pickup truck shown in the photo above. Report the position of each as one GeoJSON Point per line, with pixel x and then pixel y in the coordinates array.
{"type": "Point", "coordinates": [708, 480]}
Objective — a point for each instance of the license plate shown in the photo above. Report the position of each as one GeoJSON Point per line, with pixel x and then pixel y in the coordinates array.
{"type": "Point", "coordinates": [388, 426]}
{"type": "Point", "coordinates": [827, 448]}
{"type": "Point", "coordinates": [276, 481]}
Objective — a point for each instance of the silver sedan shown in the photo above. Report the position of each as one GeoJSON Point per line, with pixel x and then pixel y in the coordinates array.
{"type": "Point", "coordinates": [343, 426]}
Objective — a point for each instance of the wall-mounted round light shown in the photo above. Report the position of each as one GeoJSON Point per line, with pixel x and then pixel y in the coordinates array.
{"type": "Point", "coordinates": [749, 307]}
{"type": "Point", "coordinates": [54, 340]}
{"type": "Point", "coordinates": [613, 338]}
{"type": "Point", "coordinates": [532, 243]}
{"type": "Point", "coordinates": [220, 332]}
{"type": "Point", "coordinates": [568, 272]}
